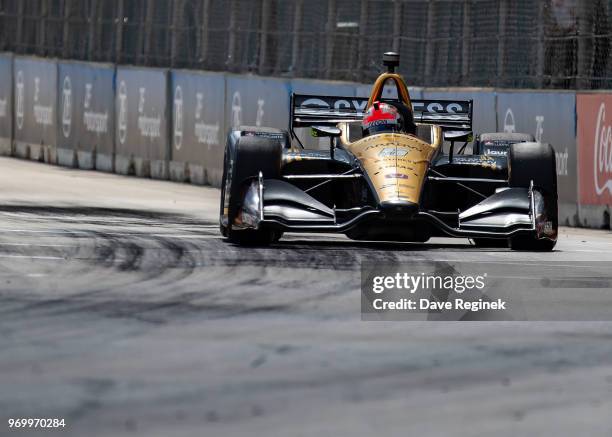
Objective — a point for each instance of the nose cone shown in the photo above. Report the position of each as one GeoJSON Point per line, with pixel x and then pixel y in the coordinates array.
{"type": "Point", "coordinates": [402, 208]}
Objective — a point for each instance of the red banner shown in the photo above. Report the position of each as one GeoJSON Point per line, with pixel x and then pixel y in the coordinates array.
{"type": "Point", "coordinates": [594, 112]}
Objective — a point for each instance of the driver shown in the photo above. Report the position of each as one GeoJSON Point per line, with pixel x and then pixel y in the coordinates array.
{"type": "Point", "coordinates": [385, 118]}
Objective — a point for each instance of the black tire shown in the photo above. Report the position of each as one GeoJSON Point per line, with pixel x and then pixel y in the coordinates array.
{"type": "Point", "coordinates": [528, 243]}
{"type": "Point", "coordinates": [490, 242]}
{"type": "Point", "coordinates": [535, 162]}
{"type": "Point", "coordinates": [242, 162]}
{"type": "Point", "coordinates": [501, 136]}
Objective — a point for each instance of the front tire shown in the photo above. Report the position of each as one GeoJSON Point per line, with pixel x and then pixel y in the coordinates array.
{"type": "Point", "coordinates": [536, 162]}
{"type": "Point", "coordinates": [243, 161]}
{"type": "Point", "coordinates": [490, 243]}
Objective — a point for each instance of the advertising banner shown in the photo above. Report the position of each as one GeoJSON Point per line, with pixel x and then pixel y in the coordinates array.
{"type": "Point", "coordinates": [35, 107]}
{"type": "Point", "coordinates": [6, 104]}
{"type": "Point", "coordinates": [256, 101]}
{"type": "Point", "coordinates": [86, 135]}
{"type": "Point", "coordinates": [141, 134]}
{"type": "Point", "coordinates": [594, 113]}
{"type": "Point", "coordinates": [550, 117]}
{"type": "Point", "coordinates": [198, 134]}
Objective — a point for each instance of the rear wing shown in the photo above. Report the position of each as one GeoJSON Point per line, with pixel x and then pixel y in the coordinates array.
{"type": "Point", "coordinates": [454, 116]}
{"type": "Point", "coordinates": [309, 111]}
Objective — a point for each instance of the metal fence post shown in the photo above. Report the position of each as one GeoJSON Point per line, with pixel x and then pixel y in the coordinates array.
{"type": "Point", "coordinates": [146, 36]}
{"type": "Point", "coordinates": [119, 32]}
{"type": "Point", "coordinates": [66, 28]}
{"type": "Point", "coordinates": [263, 35]}
{"type": "Point", "coordinates": [42, 30]}
{"type": "Point", "coordinates": [501, 41]}
{"type": "Point", "coordinates": [539, 82]}
{"type": "Point", "coordinates": [397, 25]}
{"type": "Point", "coordinates": [329, 45]}
{"type": "Point", "coordinates": [203, 34]}
{"type": "Point", "coordinates": [176, 28]}
{"type": "Point", "coordinates": [231, 44]}
{"type": "Point", "coordinates": [361, 55]}
{"type": "Point", "coordinates": [297, 29]}
{"type": "Point", "coordinates": [430, 43]}
{"type": "Point", "coordinates": [93, 30]}
{"type": "Point", "coordinates": [585, 34]}
{"type": "Point", "coordinates": [20, 13]}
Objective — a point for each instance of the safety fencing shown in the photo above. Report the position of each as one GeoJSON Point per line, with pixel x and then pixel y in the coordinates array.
{"type": "Point", "coordinates": [503, 43]}
{"type": "Point", "coordinates": [171, 124]}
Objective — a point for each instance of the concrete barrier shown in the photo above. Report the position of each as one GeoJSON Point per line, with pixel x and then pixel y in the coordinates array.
{"type": "Point", "coordinates": [594, 119]}
{"type": "Point", "coordinates": [86, 135]}
{"type": "Point", "coordinates": [6, 104]}
{"type": "Point", "coordinates": [142, 130]}
{"type": "Point", "coordinates": [198, 126]}
{"type": "Point", "coordinates": [35, 103]}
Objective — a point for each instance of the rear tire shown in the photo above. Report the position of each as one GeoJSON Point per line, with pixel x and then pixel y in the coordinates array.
{"type": "Point", "coordinates": [535, 162]}
{"type": "Point", "coordinates": [242, 162]}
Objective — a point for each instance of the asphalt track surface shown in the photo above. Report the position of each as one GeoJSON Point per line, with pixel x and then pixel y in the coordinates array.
{"type": "Point", "coordinates": [123, 311]}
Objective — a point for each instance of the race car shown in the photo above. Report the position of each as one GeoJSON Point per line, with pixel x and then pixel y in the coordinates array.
{"type": "Point", "coordinates": [391, 169]}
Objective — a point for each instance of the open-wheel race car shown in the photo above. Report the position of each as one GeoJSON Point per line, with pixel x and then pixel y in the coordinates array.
{"type": "Point", "coordinates": [396, 170]}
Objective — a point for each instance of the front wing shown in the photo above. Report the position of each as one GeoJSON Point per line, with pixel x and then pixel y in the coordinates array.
{"type": "Point", "coordinates": [279, 205]}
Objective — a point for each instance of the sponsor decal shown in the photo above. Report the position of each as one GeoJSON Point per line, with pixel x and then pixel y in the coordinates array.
{"type": "Point", "coordinates": [539, 133]}
{"type": "Point", "coordinates": [260, 112]}
{"type": "Point", "coordinates": [67, 107]}
{"type": "Point", "coordinates": [392, 152]}
{"type": "Point", "coordinates": [236, 109]}
{"type": "Point", "coordinates": [340, 104]}
{"type": "Point", "coordinates": [178, 117]}
{"type": "Point", "coordinates": [509, 123]}
{"type": "Point", "coordinates": [43, 115]}
{"type": "Point", "coordinates": [562, 159]}
{"type": "Point", "coordinates": [95, 122]}
{"type": "Point", "coordinates": [149, 126]}
{"type": "Point", "coordinates": [496, 152]}
{"type": "Point", "coordinates": [20, 97]}
{"type": "Point", "coordinates": [440, 107]}
{"type": "Point", "coordinates": [207, 134]}
{"type": "Point", "coordinates": [3, 106]}
{"type": "Point", "coordinates": [602, 153]}
{"type": "Point", "coordinates": [122, 122]}
{"type": "Point", "coordinates": [595, 148]}
{"type": "Point", "coordinates": [397, 176]}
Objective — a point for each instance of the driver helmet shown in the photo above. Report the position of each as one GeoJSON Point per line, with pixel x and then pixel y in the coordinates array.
{"type": "Point", "coordinates": [381, 118]}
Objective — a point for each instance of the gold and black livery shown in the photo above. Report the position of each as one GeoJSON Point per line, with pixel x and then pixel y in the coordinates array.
{"type": "Point", "coordinates": [434, 180]}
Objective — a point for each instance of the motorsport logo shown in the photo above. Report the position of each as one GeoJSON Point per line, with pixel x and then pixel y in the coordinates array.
{"type": "Point", "coordinates": [184, 125]}
{"type": "Point", "coordinates": [602, 156]}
